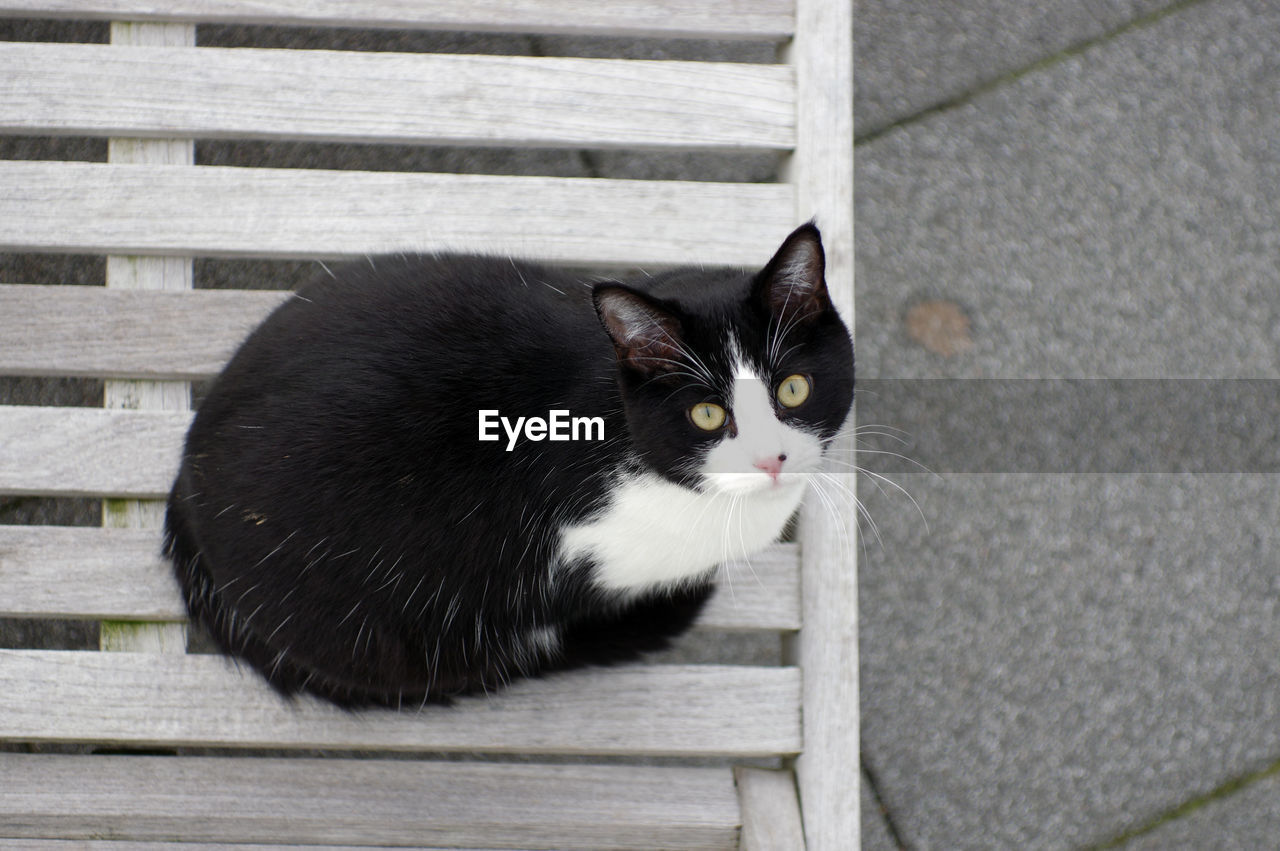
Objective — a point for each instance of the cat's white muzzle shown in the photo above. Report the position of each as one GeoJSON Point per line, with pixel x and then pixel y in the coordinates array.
{"type": "Point", "coordinates": [733, 484]}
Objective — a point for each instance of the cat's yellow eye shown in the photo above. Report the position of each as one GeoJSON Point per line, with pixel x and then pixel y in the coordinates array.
{"type": "Point", "coordinates": [793, 390]}
{"type": "Point", "coordinates": [707, 416]}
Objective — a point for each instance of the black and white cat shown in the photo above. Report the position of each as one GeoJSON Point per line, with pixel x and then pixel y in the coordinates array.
{"type": "Point", "coordinates": [339, 523]}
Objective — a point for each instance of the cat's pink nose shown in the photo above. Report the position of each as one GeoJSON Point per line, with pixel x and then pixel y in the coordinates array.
{"type": "Point", "coordinates": [772, 465]}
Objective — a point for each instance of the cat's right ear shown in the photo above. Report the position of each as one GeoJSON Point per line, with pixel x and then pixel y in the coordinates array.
{"type": "Point", "coordinates": [793, 286]}
{"type": "Point", "coordinates": [645, 335]}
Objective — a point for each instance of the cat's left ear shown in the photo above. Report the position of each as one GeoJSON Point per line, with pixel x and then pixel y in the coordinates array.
{"type": "Point", "coordinates": [793, 285]}
{"type": "Point", "coordinates": [645, 335]}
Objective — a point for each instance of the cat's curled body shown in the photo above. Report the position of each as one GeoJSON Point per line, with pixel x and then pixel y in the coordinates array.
{"type": "Point", "coordinates": [338, 524]}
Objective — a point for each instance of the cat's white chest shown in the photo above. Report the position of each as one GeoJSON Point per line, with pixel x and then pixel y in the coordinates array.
{"type": "Point", "coordinates": [656, 533]}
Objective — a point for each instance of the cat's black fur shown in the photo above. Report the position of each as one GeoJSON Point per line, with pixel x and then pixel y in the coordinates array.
{"type": "Point", "coordinates": [337, 524]}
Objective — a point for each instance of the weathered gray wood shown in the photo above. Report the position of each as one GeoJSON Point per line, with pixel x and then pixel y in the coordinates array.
{"type": "Point", "coordinates": [146, 273]}
{"type": "Point", "coordinates": [167, 700]}
{"type": "Point", "coordinates": [770, 810]}
{"type": "Point", "coordinates": [141, 699]}
{"type": "Point", "coordinates": [108, 333]}
{"type": "Point", "coordinates": [822, 169]}
{"type": "Point", "coordinates": [757, 19]}
{"type": "Point", "coordinates": [761, 592]}
{"type": "Point", "coordinates": [387, 97]}
{"type": "Point", "coordinates": [133, 209]}
{"type": "Point", "coordinates": [63, 572]}
{"type": "Point", "coordinates": [67, 572]}
{"type": "Point", "coordinates": [369, 802]}
{"type": "Point", "coordinates": [89, 451]}
{"type": "Point", "coordinates": [132, 845]}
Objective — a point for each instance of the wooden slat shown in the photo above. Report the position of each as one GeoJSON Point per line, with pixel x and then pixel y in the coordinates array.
{"type": "Point", "coordinates": [131, 209]}
{"type": "Point", "coordinates": [163, 700]}
{"type": "Point", "coordinates": [347, 96]}
{"type": "Point", "coordinates": [827, 772]}
{"type": "Point", "coordinates": [132, 845]}
{"type": "Point", "coordinates": [103, 333]}
{"type": "Point", "coordinates": [770, 810]}
{"type": "Point", "coordinates": [762, 592]}
{"type": "Point", "coordinates": [756, 19]}
{"type": "Point", "coordinates": [371, 802]}
{"type": "Point", "coordinates": [63, 572]}
{"type": "Point", "coordinates": [89, 451]}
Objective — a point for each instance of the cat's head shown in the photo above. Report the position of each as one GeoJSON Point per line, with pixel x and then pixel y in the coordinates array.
{"type": "Point", "coordinates": [733, 382]}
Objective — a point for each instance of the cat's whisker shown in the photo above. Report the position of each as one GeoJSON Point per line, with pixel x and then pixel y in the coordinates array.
{"type": "Point", "coordinates": [792, 320]}
{"type": "Point", "coordinates": [733, 499]}
{"type": "Point", "coordinates": [724, 572]}
{"type": "Point", "coordinates": [681, 389]}
{"type": "Point", "coordinates": [822, 481]}
{"type": "Point", "coordinates": [683, 369]}
{"type": "Point", "coordinates": [885, 426]}
{"type": "Point", "coordinates": [860, 437]}
{"type": "Point", "coordinates": [898, 455]}
{"type": "Point", "coordinates": [747, 552]}
{"type": "Point", "coordinates": [879, 487]}
{"type": "Point", "coordinates": [864, 515]}
{"type": "Point", "coordinates": [783, 356]}
{"type": "Point", "coordinates": [706, 506]}
{"type": "Point", "coordinates": [891, 483]}
{"type": "Point", "coordinates": [776, 329]}
{"type": "Point", "coordinates": [698, 364]}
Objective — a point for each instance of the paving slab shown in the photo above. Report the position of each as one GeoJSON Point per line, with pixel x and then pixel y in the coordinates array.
{"type": "Point", "coordinates": [1059, 658]}
{"type": "Point", "coordinates": [1055, 659]}
{"type": "Point", "coordinates": [1116, 214]}
{"type": "Point", "coordinates": [911, 56]}
{"type": "Point", "coordinates": [1246, 820]}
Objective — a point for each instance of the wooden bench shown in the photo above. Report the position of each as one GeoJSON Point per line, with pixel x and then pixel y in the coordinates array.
{"type": "Point", "coordinates": [183, 747]}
